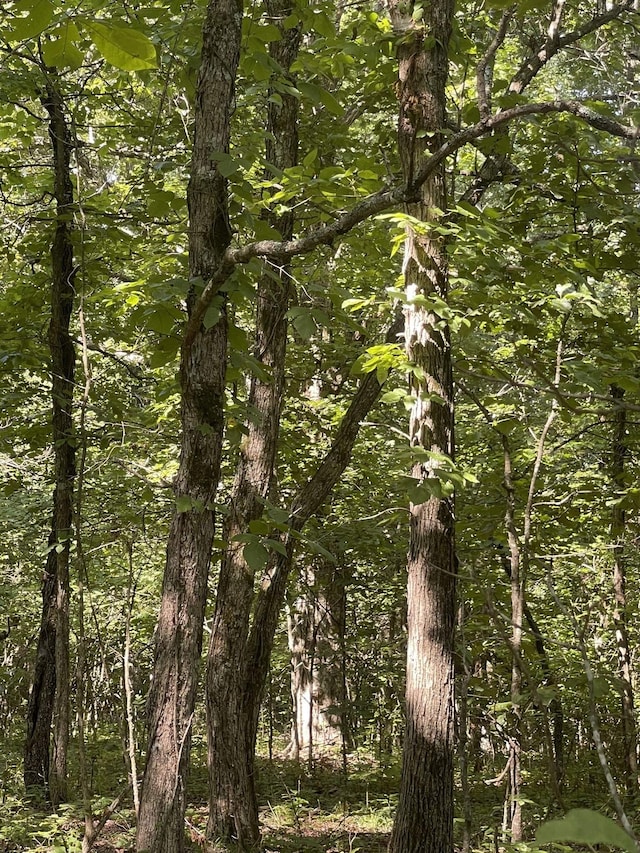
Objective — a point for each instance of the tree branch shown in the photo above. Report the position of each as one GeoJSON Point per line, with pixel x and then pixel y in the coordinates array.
{"type": "Point", "coordinates": [555, 43]}
{"type": "Point", "coordinates": [484, 69]}
{"type": "Point", "coordinates": [281, 251]}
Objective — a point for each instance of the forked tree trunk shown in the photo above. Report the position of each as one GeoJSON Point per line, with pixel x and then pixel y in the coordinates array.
{"type": "Point", "coordinates": [233, 810]}
{"type": "Point", "coordinates": [272, 592]}
{"type": "Point", "coordinates": [252, 678]}
{"type": "Point", "coordinates": [202, 380]}
{"type": "Point", "coordinates": [424, 820]}
{"type": "Point", "coordinates": [49, 695]}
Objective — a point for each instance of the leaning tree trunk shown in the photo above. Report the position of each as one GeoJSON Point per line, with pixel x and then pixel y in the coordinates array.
{"type": "Point", "coordinates": [49, 695]}
{"type": "Point", "coordinates": [424, 820]}
{"type": "Point", "coordinates": [202, 381]}
{"type": "Point", "coordinates": [233, 809]}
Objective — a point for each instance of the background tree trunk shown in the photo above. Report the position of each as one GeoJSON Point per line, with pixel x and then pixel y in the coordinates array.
{"type": "Point", "coordinates": [424, 820]}
{"type": "Point", "coordinates": [618, 531]}
{"type": "Point", "coordinates": [49, 695]}
{"type": "Point", "coordinates": [316, 638]}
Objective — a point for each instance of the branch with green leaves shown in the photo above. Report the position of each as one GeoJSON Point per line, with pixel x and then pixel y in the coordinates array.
{"type": "Point", "coordinates": [281, 251]}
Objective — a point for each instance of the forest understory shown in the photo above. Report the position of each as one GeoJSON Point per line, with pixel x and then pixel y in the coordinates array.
{"type": "Point", "coordinates": [319, 425]}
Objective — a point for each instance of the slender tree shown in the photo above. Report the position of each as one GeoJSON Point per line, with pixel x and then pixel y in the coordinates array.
{"type": "Point", "coordinates": [49, 694]}
{"type": "Point", "coordinates": [620, 614]}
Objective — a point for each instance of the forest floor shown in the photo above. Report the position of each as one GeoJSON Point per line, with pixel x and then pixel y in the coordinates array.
{"type": "Point", "coordinates": [301, 811]}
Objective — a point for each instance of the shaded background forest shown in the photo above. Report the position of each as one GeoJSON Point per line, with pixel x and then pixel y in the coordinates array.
{"type": "Point", "coordinates": [543, 313]}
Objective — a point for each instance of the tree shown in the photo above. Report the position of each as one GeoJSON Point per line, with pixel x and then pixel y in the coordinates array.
{"type": "Point", "coordinates": [203, 360]}
{"type": "Point", "coordinates": [233, 810]}
{"type": "Point", "coordinates": [316, 633]}
{"type": "Point", "coordinates": [424, 820]}
{"type": "Point", "coordinates": [49, 694]}
{"type": "Point", "coordinates": [242, 242]}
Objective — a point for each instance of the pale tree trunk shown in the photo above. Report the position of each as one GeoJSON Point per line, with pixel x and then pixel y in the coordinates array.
{"type": "Point", "coordinates": [519, 560]}
{"type": "Point", "coordinates": [424, 820]}
{"type": "Point", "coordinates": [49, 695]}
{"type": "Point", "coordinates": [463, 731]}
{"type": "Point", "coordinates": [128, 709]}
{"type": "Point", "coordinates": [316, 640]}
{"type": "Point", "coordinates": [171, 701]}
{"type": "Point", "coordinates": [620, 617]}
{"type": "Point", "coordinates": [233, 810]}
{"type": "Point", "coordinates": [514, 566]}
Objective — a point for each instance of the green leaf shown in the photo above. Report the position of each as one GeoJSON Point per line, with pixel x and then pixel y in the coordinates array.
{"type": "Point", "coordinates": [275, 545]}
{"type": "Point", "coordinates": [303, 322]}
{"type": "Point", "coordinates": [123, 47]}
{"type": "Point", "coordinates": [317, 95]}
{"type": "Point", "coordinates": [256, 555]}
{"type": "Point", "coordinates": [419, 491]}
{"type": "Point", "coordinates": [311, 157]}
{"type": "Point", "coordinates": [61, 51]}
{"type": "Point", "coordinates": [184, 503]}
{"type": "Point", "coordinates": [323, 25]}
{"type": "Point", "coordinates": [393, 396]}
{"type": "Point", "coordinates": [40, 13]}
{"type": "Point", "coordinates": [238, 338]}
{"type": "Point", "coordinates": [584, 826]}
{"type": "Point", "coordinates": [161, 320]}
{"type": "Point", "coordinates": [212, 314]}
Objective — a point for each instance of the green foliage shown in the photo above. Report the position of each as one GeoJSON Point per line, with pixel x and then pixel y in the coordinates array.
{"type": "Point", "coordinates": [123, 47]}
{"type": "Point", "coordinates": [549, 254]}
{"type": "Point", "coordinates": [585, 826]}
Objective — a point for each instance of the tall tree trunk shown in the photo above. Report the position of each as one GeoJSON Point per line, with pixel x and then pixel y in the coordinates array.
{"type": "Point", "coordinates": [620, 617]}
{"type": "Point", "coordinates": [202, 381]}
{"type": "Point", "coordinates": [424, 820]}
{"type": "Point", "coordinates": [514, 570]}
{"type": "Point", "coordinates": [49, 695]}
{"type": "Point", "coordinates": [233, 810]}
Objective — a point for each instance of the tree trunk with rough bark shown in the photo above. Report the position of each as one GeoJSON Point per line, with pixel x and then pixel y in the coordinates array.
{"type": "Point", "coordinates": [202, 380]}
{"type": "Point", "coordinates": [424, 820]}
{"type": "Point", "coordinates": [49, 695]}
{"type": "Point", "coordinates": [253, 676]}
{"type": "Point", "coordinates": [233, 809]}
